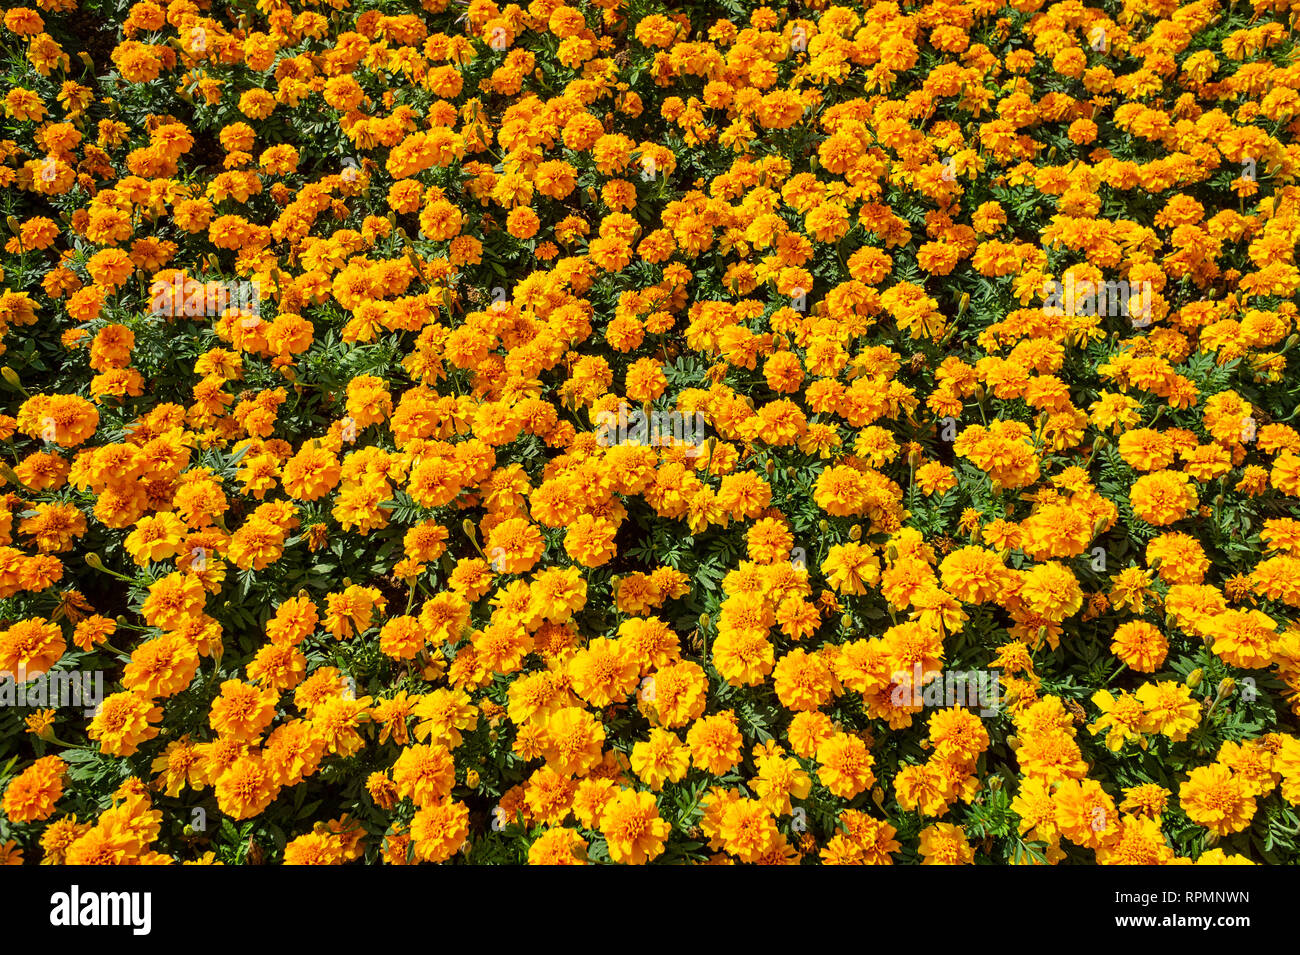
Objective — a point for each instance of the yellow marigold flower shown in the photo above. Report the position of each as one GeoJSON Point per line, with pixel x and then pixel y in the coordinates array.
{"type": "Point", "coordinates": [242, 711]}
{"type": "Point", "coordinates": [1171, 711]}
{"type": "Point", "coordinates": [660, 758]}
{"type": "Point", "coordinates": [633, 829]}
{"type": "Point", "coordinates": [32, 794]}
{"type": "Point", "coordinates": [1122, 718]}
{"type": "Point", "coordinates": [603, 672]}
{"type": "Point", "coordinates": [715, 743]}
{"type": "Point", "coordinates": [1162, 498]}
{"type": "Point", "coordinates": [1140, 645]}
{"type": "Point", "coordinates": [844, 765]}
{"type": "Point", "coordinates": [1215, 798]}
{"type": "Point", "coordinates": [803, 681]}
{"type": "Point", "coordinates": [122, 723]}
{"type": "Point", "coordinates": [424, 774]}
{"type": "Point", "coordinates": [558, 846]}
{"type": "Point", "coordinates": [945, 844]}
{"type": "Point", "coordinates": [439, 831]}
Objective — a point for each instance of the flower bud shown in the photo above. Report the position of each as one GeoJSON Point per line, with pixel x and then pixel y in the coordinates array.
{"type": "Point", "coordinates": [414, 260]}
{"type": "Point", "coordinates": [1226, 686]}
{"type": "Point", "coordinates": [1194, 678]}
{"type": "Point", "coordinates": [9, 375]}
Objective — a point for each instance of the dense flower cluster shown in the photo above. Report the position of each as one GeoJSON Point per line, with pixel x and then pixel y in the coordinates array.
{"type": "Point", "coordinates": [602, 431]}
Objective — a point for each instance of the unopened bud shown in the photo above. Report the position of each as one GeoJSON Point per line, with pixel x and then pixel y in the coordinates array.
{"type": "Point", "coordinates": [1194, 678]}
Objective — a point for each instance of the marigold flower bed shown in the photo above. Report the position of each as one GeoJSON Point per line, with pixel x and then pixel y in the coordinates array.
{"type": "Point", "coordinates": [632, 432]}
